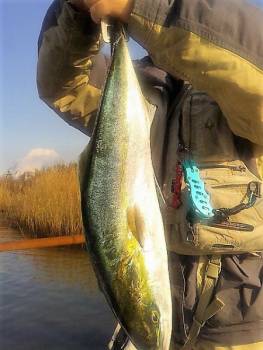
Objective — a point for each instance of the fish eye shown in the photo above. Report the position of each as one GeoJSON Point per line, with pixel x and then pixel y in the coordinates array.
{"type": "Point", "coordinates": [155, 317]}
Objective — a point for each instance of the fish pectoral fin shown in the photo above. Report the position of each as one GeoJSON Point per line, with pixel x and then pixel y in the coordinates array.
{"type": "Point", "coordinates": [137, 224]}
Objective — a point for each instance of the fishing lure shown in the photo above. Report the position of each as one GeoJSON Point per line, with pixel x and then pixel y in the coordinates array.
{"type": "Point", "coordinates": [199, 198]}
{"type": "Point", "coordinates": [201, 208]}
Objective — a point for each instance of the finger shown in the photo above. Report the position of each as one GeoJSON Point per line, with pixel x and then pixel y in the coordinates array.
{"type": "Point", "coordinates": [99, 11]}
{"type": "Point", "coordinates": [94, 15]}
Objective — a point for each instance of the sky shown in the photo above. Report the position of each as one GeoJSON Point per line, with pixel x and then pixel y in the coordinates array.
{"type": "Point", "coordinates": [30, 133]}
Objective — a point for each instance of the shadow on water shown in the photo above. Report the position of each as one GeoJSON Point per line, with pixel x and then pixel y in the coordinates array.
{"type": "Point", "coordinates": [49, 299]}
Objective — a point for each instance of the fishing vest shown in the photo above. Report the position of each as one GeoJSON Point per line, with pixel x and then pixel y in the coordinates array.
{"type": "Point", "coordinates": [198, 135]}
{"type": "Point", "coordinates": [202, 162]}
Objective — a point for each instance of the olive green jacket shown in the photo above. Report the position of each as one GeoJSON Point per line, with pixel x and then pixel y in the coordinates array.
{"type": "Point", "coordinates": [216, 45]}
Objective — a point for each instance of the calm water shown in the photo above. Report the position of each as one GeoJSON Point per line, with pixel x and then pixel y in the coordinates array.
{"type": "Point", "coordinates": [49, 299]}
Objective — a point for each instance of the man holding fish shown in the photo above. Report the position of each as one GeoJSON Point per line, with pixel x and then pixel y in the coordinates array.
{"type": "Point", "coordinates": [203, 83]}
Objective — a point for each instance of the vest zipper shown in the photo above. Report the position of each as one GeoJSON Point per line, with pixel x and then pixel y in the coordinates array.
{"type": "Point", "coordinates": [240, 168]}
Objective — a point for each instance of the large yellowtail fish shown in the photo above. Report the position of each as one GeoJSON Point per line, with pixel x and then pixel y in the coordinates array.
{"type": "Point", "coordinates": [121, 213]}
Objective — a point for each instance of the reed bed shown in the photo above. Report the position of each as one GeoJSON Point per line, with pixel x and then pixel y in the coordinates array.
{"type": "Point", "coordinates": [46, 204]}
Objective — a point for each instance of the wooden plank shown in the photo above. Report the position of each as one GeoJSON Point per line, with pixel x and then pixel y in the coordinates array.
{"type": "Point", "coordinates": [42, 243]}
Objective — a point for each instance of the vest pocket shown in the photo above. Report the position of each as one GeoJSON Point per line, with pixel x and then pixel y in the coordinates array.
{"type": "Point", "coordinates": [232, 241]}
{"type": "Point", "coordinates": [227, 189]}
{"type": "Point", "coordinates": [204, 129]}
{"type": "Point", "coordinates": [241, 282]}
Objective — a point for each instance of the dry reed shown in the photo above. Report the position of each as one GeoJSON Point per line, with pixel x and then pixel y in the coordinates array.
{"type": "Point", "coordinates": [46, 204]}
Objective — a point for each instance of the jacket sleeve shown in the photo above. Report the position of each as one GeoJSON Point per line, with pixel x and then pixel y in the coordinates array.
{"type": "Point", "coordinates": [70, 70]}
{"type": "Point", "coordinates": [216, 45]}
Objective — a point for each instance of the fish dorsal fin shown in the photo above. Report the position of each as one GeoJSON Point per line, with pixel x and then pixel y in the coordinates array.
{"type": "Point", "coordinates": [137, 224]}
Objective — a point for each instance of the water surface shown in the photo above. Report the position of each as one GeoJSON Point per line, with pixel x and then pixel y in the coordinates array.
{"type": "Point", "coordinates": [49, 299]}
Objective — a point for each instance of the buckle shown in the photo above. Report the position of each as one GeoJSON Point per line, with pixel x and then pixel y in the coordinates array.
{"type": "Point", "coordinates": [198, 323]}
{"type": "Point", "coordinates": [213, 269]}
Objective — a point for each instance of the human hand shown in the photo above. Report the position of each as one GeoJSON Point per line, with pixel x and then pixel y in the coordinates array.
{"type": "Point", "coordinates": [99, 9]}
